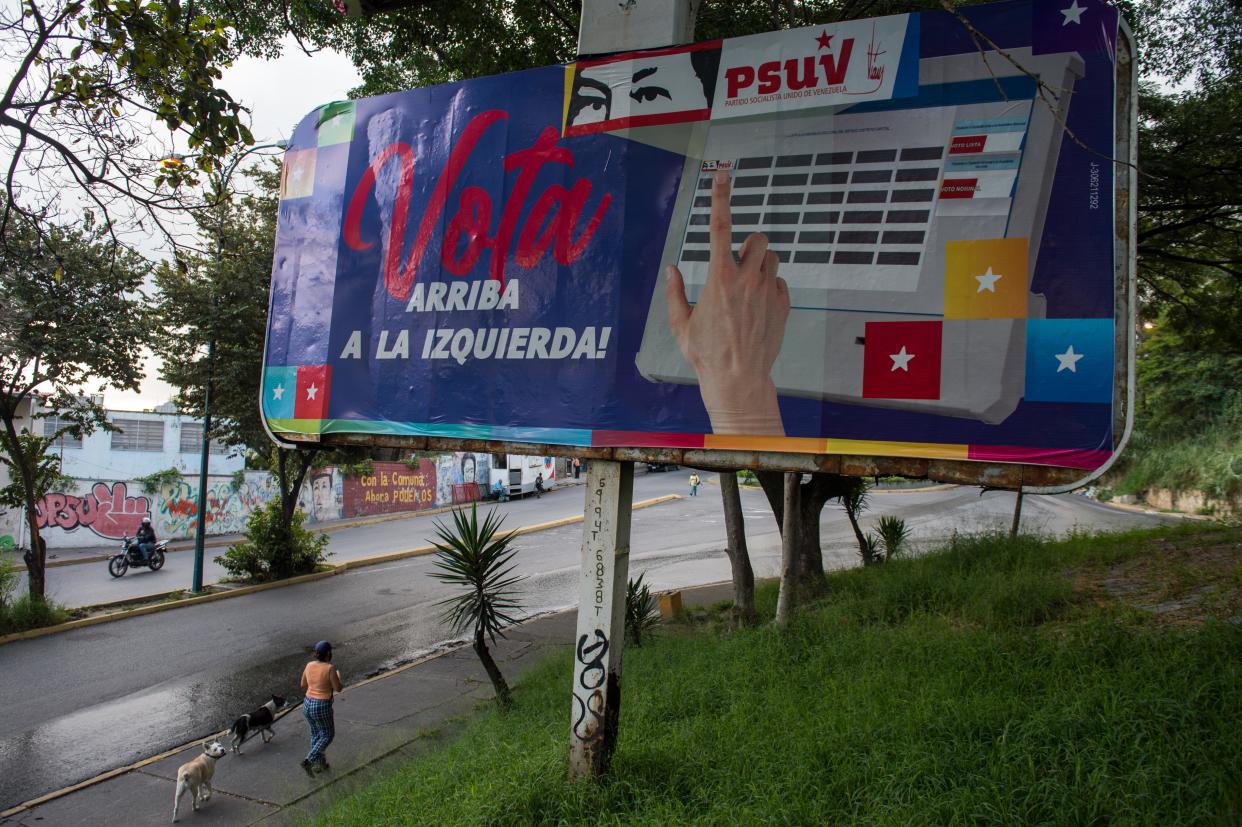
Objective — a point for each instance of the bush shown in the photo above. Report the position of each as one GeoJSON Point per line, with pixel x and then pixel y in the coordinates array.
{"type": "Point", "coordinates": [9, 575]}
{"type": "Point", "coordinates": [25, 612]}
{"type": "Point", "coordinates": [642, 613]}
{"type": "Point", "coordinates": [893, 535]}
{"type": "Point", "coordinates": [272, 551]}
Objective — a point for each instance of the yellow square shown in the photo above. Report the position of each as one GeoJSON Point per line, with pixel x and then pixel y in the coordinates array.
{"type": "Point", "coordinates": [985, 279]}
{"type": "Point", "coordinates": [297, 176]}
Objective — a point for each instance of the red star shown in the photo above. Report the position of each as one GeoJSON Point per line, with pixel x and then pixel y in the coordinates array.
{"type": "Point", "coordinates": [824, 39]}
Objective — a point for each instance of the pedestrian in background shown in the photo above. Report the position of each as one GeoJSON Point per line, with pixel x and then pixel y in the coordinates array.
{"type": "Point", "coordinates": [577, 467]}
{"type": "Point", "coordinates": [320, 680]}
{"type": "Point", "coordinates": [694, 484]}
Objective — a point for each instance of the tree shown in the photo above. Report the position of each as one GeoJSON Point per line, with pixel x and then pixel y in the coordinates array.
{"type": "Point", "coordinates": [222, 296]}
{"type": "Point", "coordinates": [71, 315]}
{"type": "Point", "coordinates": [479, 558]}
{"type": "Point", "coordinates": [92, 80]}
{"type": "Point", "coordinates": [739, 556]}
{"type": "Point", "coordinates": [797, 505]}
{"type": "Point", "coordinates": [1190, 213]}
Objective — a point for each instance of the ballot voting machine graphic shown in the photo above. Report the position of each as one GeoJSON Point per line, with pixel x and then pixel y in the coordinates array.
{"type": "Point", "coordinates": [486, 260]}
{"type": "Point", "coordinates": [895, 221]}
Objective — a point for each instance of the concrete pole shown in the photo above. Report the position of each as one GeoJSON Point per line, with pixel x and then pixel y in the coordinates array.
{"type": "Point", "coordinates": [609, 26]}
{"type": "Point", "coordinates": [600, 636]}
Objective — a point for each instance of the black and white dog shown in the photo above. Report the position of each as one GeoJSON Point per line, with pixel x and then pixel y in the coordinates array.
{"type": "Point", "coordinates": [259, 721]}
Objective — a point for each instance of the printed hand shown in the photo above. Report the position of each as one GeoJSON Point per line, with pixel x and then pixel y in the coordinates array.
{"type": "Point", "coordinates": [734, 333]}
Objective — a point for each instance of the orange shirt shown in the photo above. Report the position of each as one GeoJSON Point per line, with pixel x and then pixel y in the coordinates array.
{"type": "Point", "coordinates": [319, 679]}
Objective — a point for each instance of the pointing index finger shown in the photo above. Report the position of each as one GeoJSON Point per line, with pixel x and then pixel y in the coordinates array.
{"type": "Point", "coordinates": [722, 220]}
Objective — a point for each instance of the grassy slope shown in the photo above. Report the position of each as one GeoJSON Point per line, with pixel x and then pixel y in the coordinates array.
{"type": "Point", "coordinates": [969, 686]}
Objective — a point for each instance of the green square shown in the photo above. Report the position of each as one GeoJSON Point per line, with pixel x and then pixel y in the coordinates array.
{"type": "Point", "coordinates": [336, 123]}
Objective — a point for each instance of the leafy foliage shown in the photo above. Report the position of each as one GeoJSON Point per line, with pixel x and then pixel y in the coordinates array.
{"type": "Point", "coordinates": [871, 550]}
{"type": "Point", "coordinates": [70, 318]}
{"type": "Point", "coordinates": [90, 82]}
{"type": "Point", "coordinates": [30, 612]}
{"type": "Point", "coordinates": [153, 483]}
{"type": "Point", "coordinates": [1188, 432]}
{"type": "Point", "coordinates": [893, 533]}
{"type": "Point", "coordinates": [478, 558]}
{"type": "Point", "coordinates": [222, 295]}
{"type": "Point", "coordinates": [1190, 214]}
{"type": "Point", "coordinates": [642, 611]}
{"type": "Point", "coordinates": [275, 549]}
{"type": "Point", "coordinates": [41, 460]}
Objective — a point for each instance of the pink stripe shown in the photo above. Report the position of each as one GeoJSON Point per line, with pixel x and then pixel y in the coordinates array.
{"type": "Point", "coordinates": [1062, 457]}
{"type": "Point", "coordinates": [644, 439]}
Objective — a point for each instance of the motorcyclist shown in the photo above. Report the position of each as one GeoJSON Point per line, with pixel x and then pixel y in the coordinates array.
{"type": "Point", "coordinates": [145, 538]}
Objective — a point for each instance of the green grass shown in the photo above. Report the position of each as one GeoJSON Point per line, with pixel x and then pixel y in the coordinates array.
{"type": "Point", "coordinates": [969, 686]}
{"type": "Point", "coordinates": [25, 613]}
{"type": "Point", "coordinates": [1209, 461]}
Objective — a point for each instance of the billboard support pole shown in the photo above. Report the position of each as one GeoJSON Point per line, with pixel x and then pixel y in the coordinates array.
{"type": "Point", "coordinates": [600, 636]}
{"type": "Point", "coordinates": [608, 26]}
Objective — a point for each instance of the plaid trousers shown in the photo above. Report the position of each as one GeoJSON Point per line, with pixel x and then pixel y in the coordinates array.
{"type": "Point", "coordinates": [322, 727]}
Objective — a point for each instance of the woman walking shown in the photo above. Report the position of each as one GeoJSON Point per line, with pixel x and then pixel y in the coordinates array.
{"type": "Point", "coordinates": [320, 680]}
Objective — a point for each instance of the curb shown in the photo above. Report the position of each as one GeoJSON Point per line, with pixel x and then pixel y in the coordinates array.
{"type": "Point", "coordinates": [292, 581]}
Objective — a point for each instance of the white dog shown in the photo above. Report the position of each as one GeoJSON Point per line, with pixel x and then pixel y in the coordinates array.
{"type": "Point", "coordinates": [195, 775]}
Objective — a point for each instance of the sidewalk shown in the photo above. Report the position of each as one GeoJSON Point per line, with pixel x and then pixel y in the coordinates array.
{"type": "Point", "coordinates": [96, 554]}
{"type": "Point", "coordinates": [380, 723]}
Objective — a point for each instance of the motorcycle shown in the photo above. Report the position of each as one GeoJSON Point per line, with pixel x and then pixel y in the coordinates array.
{"type": "Point", "coordinates": [131, 555]}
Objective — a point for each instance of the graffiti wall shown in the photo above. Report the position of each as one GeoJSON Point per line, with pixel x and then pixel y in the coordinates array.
{"type": "Point", "coordinates": [392, 487]}
{"type": "Point", "coordinates": [99, 512]}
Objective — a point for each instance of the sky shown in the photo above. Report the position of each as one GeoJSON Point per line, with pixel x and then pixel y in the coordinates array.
{"type": "Point", "coordinates": [279, 93]}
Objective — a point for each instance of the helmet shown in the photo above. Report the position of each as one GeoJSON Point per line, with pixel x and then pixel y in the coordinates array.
{"type": "Point", "coordinates": [146, 521]}
{"type": "Point", "coordinates": [323, 648]}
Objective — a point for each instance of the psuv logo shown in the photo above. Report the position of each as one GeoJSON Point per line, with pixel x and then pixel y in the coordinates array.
{"type": "Point", "coordinates": [824, 70]}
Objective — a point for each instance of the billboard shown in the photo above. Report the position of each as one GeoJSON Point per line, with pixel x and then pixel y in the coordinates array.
{"type": "Point", "coordinates": [893, 237]}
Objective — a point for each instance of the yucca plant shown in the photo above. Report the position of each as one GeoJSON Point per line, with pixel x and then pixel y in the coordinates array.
{"type": "Point", "coordinates": [870, 551]}
{"type": "Point", "coordinates": [642, 614]}
{"type": "Point", "coordinates": [893, 535]}
{"type": "Point", "coordinates": [478, 557]}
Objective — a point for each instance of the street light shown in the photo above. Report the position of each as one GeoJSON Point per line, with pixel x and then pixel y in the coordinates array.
{"type": "Point", "coordinates": [222, 184]}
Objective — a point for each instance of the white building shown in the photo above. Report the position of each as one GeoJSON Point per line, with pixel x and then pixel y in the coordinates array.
{"type": "Point", "coordinates": [146, 442]}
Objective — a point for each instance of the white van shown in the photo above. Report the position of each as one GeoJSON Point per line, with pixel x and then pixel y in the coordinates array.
{"type": "Point", "coordinates": [516, 473]}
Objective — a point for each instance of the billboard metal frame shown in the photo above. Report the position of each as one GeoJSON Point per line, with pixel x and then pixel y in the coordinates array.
{"type": "Point", "coordinates": [1028, 478]}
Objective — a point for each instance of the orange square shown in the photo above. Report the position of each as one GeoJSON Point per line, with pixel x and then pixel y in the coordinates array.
{"type": "Point", "coordinates": [986, 279]}
{"type": "Point", "coordinates": [297, 175]}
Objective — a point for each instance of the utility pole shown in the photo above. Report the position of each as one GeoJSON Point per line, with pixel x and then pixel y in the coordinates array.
{"type": "Point", "coordinates": [610, 26]}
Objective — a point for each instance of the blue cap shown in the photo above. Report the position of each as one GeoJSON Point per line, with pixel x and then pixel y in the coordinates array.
{"type": "Point", "coordinates": [323, 647]}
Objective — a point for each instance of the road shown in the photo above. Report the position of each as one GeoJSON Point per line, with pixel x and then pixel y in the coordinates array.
{"type": "Point", "coordinates": [82, 702]}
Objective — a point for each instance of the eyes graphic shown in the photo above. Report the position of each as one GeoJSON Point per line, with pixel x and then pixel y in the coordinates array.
{"type": "Point", "coordinates": [592, 98]}
{"type": "Point", "coordinates": [646, 94]}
